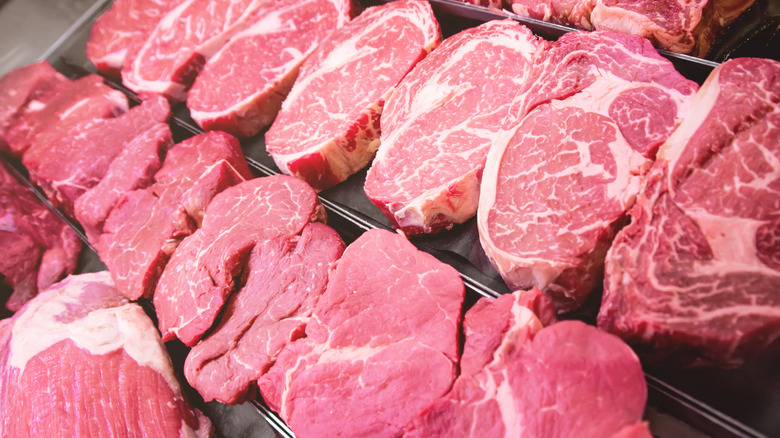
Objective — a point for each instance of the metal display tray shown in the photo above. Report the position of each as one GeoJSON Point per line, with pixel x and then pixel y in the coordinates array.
{"type": "Point", "coordinates": [703, 402]}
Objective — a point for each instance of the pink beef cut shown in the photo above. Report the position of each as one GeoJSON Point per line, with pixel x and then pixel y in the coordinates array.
{"type": "Point", "coordinates": [519, 378]}
{"type": "Point", "coordinates": [133, 168]}
{"type": "Point", "coordinates": [571, 157]}
{"type": "Point", "coordinates": [693, 280]}
{"type": "Point", "coordinates": [242, 86]}
{"type": "Point", "coordinates": [439, 123]}
{"type": "Point", "coordinates": [125, 24]}
{"type": "Point", "coordinates": [69, 166]}
{"type": "Point", "coordinates": [381, 346]}
{"type": "Point", "coordinates": [286, 277]}
{"type": "Point", "coordinates": [145, 227]}
{"type": "Point", "coordinates": [202, 272]}
{"type": "Point", "coordinates": [49, 117]}
{"type": "Point", "coordinates": [328, 127]}
{"type": "Point", "coordinates": [175, 51]}
{"type": "Point", "coordinates": [20, 86]}
{"type": "Point", "coordinates": [79, 360]}
{"type": "Point", "coordinates": [39, 248]}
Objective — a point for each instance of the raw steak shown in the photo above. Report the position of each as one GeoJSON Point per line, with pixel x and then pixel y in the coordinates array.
{"type": "Point", "coordinates": [20, 86]}
{"type": "Point", "coordinates": [328, 127]}
{"type": "Point", "coordinates": [203, 270]}
{"type": "Point", "coordinates": [571, 158]}
{"type": "Point", "coordinates": [684, 26]}
{"type": "Point", "coordinates": [79, 360]}
{"type": "Point", "coordinates": [286, 277]}
{"type": "Point", "coordinates": [71, 165]}
{"type": "Point", "coordinates": [175, 51]}
{"type": "Point", "coordinates": [39, 249]}
{"type": "Point", "coordinates": [439, 123]}
{"type": "Point", "coordinates": [242, 86]}
{"type": "Point", "coordinates": [133, 168]}
{"type": "Point", "coordinates": [51, 115]}
{"type": "Point", "coordinates": [124, 25]}
{"type": "Point", "coordinates": [693, 280]}
{"type": "Point", "coordinates": [146, 225]}
{"type": "Point", "coordinates": [381, 346]}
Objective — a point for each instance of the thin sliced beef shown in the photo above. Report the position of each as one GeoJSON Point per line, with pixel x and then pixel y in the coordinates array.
{"type": "Point", "coordinates": [694, 279]}
{"type": "Point", "coordinates": [147, 225]}
{"type": "Point", "coordinates": [242, 86]}
{"type": "Point", "coordinates": [439, 123]}
{"type": "Point", "coordinates": [79, 360]}
{"type": "Point", "coordinates": [381, 346]}
{"type": "Point", "coordinates": [571, 158]}
{"type": "Point", "coordinates": [203, 270]}
{"type": "Point", "coordinates": [328, 127]}
{"type": "Point", "coordinates": [286, 276]}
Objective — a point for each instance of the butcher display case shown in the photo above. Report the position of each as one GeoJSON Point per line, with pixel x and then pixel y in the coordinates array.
{"type": "Point", "coordinates": [681, 403]}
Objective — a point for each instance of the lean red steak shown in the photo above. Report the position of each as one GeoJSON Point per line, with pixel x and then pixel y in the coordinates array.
{"type": "Point", "coordinates": [20, 86]}
{"type": "Point", "coordinates": [328, 127]}
{"type": "Point", "coordinates": [175, 51]}
{"type": "Point", "coordinates": [241, 88]}
{"type": "Point", "coordinates": [79, 360]}
{"type": "Point", "coordinates": [125, 24]}
{"type": "Point", "coordinates": [286, 276]}
{"type": "Point", "coordinates": [69, 166]}
{"type": "Point", "coordinates": [439, 123]}
{"type": "Point", "coordinates": [381, 346]}
{"type": "Point", "coordinates": [694, 279]}
{"type": "Point", "coordinates": [146, 226]}
{"type": "Point", "coordinates": [571, 159]}
{"type": "Point", "coordinates": [202, 272]}
{"type": "Point", "coordinates": [49, 117]}
{"type": "Point", "coordinates": [522, 379]}
{"type": "Point", "coordinates": [39, 249]}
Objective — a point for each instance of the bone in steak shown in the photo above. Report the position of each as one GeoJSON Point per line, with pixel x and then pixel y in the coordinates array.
{"type": "Point", "coordinates": [381, 346]}
{"type": "Point", "coordinates": [520, 379]}
{"type": "Point", "coordinates": [39, 249]}
{"type": "Point", "coordinates": [71, 165]}
{"type": "Point", "coordinates": [175, 51]}
{"type": "Point", "coordinates": [439, 123]}
{"type": "Point", "coordinates": [146, 225]}
{"type": "Point", "coordinates": [20, 86]}
{"type": "Point", "coordinates": [328, 127]}
{"type": "Point", "coordinates": [202, 272]}
{"type": "Point", "coordinates": [124, 25]}
{"type": "Point", "coordinates": [571, 158]}
{"type": "Point", "coordinates": [693, 280]}
{"type": "Point", "coordinates": [286, 277]}
{"type": "Point", "coordinates": [132, 169]}
{"type": "Point", "coordinates": [242, 86]}
{"type": "Point", "coordinates": [79, 360]}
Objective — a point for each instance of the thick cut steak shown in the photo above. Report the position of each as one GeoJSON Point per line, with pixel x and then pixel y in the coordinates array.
{"type": "Point", "coordinates": [286, 277]}
{"type": "Point", "coordinates": [242, 86]}
{"type": "Point", "coordinates": [124, 25]}
{"type": "Point", "coordinates": [79, 360]}
{"type": "Point", "coordinates": [132, 169]}
{"type": "Point", "coordinates": [202, 272]}
{"type": "Point", "coordinates": [69, 166]}
{"type": "Point", "coordinates": [175, 51]}
{"type": "Point", "coordinates": [439, 123]}
{"type": "Point", "coordinates": [39, 249]}
{"type": "Point", "coordinates": [520, 379]}
{"type": "Point", "coordinates": [328, 127]}
{"type": "Point", "coordinates": [381, 346]}
{"type": "Point", "coordinates": [694, 278]}
{"type": "Point", "coordinates": [571, 158]}
{"type": "Point", "coordinates": [146, 225]}
{"type": "Point", "coordinates": [49, 117]}
{"type": "Point", "coordinates": [20, 86]}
